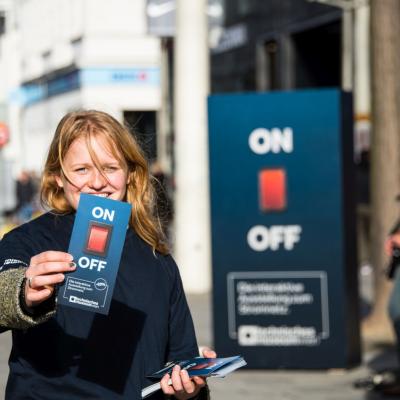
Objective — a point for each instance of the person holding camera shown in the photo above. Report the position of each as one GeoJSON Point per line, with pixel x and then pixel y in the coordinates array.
{"type": "Point", "coordinates": [392, 247]}
{"type": "Point", "coordinates": [387, 382]}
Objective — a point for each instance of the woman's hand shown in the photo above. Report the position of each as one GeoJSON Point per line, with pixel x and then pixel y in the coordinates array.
{"type": "Point", "coordinates": [392, 241]}
{"type": "Point", "coordinates": [45, 270]}
{"type": "Point", "coordinates": [182, 386]}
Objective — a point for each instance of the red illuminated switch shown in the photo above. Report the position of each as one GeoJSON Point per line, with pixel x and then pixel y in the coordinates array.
{"type": "Point", "coordinates": [272, 189]}
{"type": "Point", "coordinates": [98, 238]}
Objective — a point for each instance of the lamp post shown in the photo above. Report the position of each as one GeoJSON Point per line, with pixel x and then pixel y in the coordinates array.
{"type": "Point", "coordinates": [191, 87]}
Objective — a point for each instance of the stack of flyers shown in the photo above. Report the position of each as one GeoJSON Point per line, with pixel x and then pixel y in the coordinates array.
{"type": "Point", "coordinates": [206, 367]}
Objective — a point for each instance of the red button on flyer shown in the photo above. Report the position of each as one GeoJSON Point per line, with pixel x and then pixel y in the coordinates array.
{"type": "Point", "coordinates": [98, 238]}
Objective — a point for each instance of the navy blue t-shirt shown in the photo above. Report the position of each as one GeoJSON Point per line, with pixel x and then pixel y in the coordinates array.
{"type": "Point", "coordinates": [83, 355]}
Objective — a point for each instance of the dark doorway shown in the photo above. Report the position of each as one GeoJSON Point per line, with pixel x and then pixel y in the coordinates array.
{"type": "Point", "coordinates": [317, 56]}
{"type": "Point", "coordinates": [143, 126]}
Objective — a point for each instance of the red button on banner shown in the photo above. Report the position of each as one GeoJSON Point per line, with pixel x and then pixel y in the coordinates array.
{"type": "Point", "coordinates": [272, 189]}
{"type": "Point", "coordinates": [98, 238]}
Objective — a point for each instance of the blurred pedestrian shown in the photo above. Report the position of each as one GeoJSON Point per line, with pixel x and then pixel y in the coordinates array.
{"type": "Point", "coordinates": [61, 352]}
{"type": "Point", "coordinates": [392, 247]}
{"type": "Point", "coordinates": [10, 222]}
{"type": "Point", "coordinates": [387, 382]}
{"type": "Point", "coordinates": [363, 208]}
{"type": "Point", "coordinates": [25, 193]}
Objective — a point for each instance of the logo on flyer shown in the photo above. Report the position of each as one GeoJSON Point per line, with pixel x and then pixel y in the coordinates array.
{"type": "Point", "coordinates": [100, 284]}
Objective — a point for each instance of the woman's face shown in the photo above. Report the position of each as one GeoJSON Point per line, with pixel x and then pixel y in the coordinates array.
{"type": "Point", "coordinates": [84, 177]}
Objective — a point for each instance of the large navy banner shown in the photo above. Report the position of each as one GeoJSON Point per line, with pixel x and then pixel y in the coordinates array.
{"type": "Point", "coordinates": [283, 229]}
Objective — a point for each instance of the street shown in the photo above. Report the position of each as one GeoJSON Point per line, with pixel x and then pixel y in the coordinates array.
{"type": "Point", "coordinates": [264, 384]}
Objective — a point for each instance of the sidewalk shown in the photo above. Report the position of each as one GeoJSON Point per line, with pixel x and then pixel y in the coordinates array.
{"type": "Point", "coordinates": [265, 385]}
{"type": "Point", "coordinates": [283, 384]}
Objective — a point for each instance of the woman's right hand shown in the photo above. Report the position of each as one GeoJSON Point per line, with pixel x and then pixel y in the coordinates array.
{"type": "Point", "coordinates": [44, 272]}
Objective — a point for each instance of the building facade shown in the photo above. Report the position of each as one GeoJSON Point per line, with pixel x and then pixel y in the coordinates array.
{"type": "Point", "coordinates": [296, 44]}
{"type": "Point", "coordinates": [63, 55]}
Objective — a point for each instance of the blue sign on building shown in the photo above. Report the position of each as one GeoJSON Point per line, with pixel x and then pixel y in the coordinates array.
{"type": "Point", "coordinates": [283, 229]}
{"type": "Point", "coordinates": [44, 88]}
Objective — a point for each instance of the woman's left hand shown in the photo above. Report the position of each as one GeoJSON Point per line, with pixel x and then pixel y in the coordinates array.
{"type": "Point", "coordinates": [182, 386]}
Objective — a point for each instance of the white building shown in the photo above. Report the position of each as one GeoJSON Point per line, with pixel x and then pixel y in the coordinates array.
{"type": "Point", "coordinates": [61, 55]}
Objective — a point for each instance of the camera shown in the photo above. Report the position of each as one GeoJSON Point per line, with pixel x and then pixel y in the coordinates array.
{"type": "Point", "coordinates": [394, 262]}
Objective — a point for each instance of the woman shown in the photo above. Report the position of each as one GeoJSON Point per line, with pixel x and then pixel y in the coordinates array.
{"type": "Point", "coordinates": [61, 352]}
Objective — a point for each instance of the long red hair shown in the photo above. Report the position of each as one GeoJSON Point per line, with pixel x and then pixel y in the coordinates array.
{"type": "Point", "coordinates": [140, 192]}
